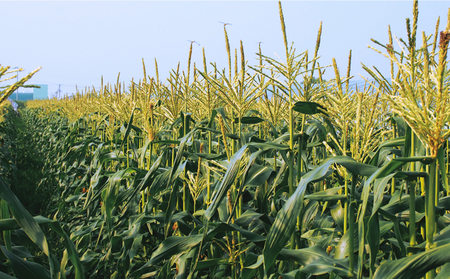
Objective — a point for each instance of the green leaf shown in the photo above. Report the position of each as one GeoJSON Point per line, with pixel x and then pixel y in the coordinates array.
{"type": "Point", "coordinates": [211, 263]}
{"type": "Point", "coordinates": [400, 141]}
{"type": "Point", "coordinates": [6, 276]}
{"type": "Point", "coordinates": [342, 249]}
{"type": "Point", "coordinates": [337, 212]}
{"type": "Point", "coordinates": [211, 119]}
{"type": "Point", "coordinates": [227, 181]}
{"type": "Point", "coordinates": [414, 266]}
{"type": "Point", "coordinates": [72, 198]}
{"type": "Point", "coordinates": [308, 107]}
{"type": "Point", "coordinates": [147, 180]}
{"type": "Point", "coordinates": [327, 195]}
{"type": "Point", "coordinates": [257, 175]}
{"type": "Point", "coordinates": [11, 224]}
{"type": "Point", "coordinates": [444, 272]}
{"type": "Point", "coordinates": [285, 221]}
{"type": "Point", "coordinates": [316, 261]}
{"type": "Point", "coordinates": [265, 146]}
{"type": "Point", "coordinates": [224, 227]}
{"type": "Point", "coordinates": [26, 269]}
{"type": "Point", "coordinates": [130, 124]}
{"type": "Point", "coordinates": [249, 120]}
{"type": "Point", "coordinates": [379, 190]}
{"type": "Point", "coordinates": [21, 252]}
{"type": "Point", "coordinates": [5, 215]}
{"type": "Point", "coordinates": [174, 193]}
{"type": "Point", "coordinates": [27, 223]}
{"type": "Point", "coordinates": [70, 249]}
{"type": "Point", "coordinates": [171, 246]}
{"type": "Point", "coordinates": [112, 192]}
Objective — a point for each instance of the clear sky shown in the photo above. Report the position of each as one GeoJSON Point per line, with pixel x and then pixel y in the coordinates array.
{"type": "Point", "coordinates": [78, 42]}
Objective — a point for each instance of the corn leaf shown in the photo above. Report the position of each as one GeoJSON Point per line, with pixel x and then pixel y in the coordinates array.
{"type": "Point", "coordinates": [316, 261]}
{"type": "Point", "coordinates": [415, 266]}
{"type": "Point", "coordinates": [26, 269]}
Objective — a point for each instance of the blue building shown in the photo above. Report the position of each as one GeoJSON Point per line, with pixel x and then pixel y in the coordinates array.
{"type": "Point", "coordinates": [40, 93]}
{"type": "Point", "coordinates": [34, 94]}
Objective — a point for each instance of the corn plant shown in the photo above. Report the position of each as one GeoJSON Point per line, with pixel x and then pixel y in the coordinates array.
{"type": "Point", "coordinates": [279, 173]}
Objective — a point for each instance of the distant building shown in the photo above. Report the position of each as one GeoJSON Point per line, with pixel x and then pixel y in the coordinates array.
{"type": "Point", "coordinates": [31, 93]}
{"type": "Point", "coordinates": [40, 93]}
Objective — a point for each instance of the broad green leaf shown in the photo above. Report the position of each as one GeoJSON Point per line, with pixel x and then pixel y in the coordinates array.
{"type": "Point", "coordinates": [173, 175]}
{"type": "Point", "coordinates": [387, 170]}
{"type": "Point", "coordinates": [444, 272]}
{"type": "Point", "coordinates": [26, 269]}
{"type": "Point", "coordinates": [147, 180]}
{"type": "Point", "coordinates": [327, 195]}
{"type": "Point", "coordinates": [72, 198]}
{"type": "Point", "coordinates": [211, 119]}
{"type": "Point", "coordinates": [21, 252]}
{"type": "Point", "coordinates": [257, 175]}
{"type": "Point", "coordinates": [172, 245]}
{"type": "Point", "coordinates": [6, 276]}
{"type": "Point", "coordinates": [129, 126]}
{"type": "Point", "coordinates": [250, 216]}
{"type": "Point", "coordinates": [379, 190]}
{"type": "Point", "coordinates": [265, 146]}
{"type": "Point", "coordinates": [400, 141]}
{"type": "Point", "coordinates": [414, 266]}
{"type": "Point", "coordinates": [285, 221]}
{"type": "Point", "coordinates": [227, 181]}
{"type": "Point", "coordinates": [337, 212]}
{"type": "Point", "coordinates": [224, 227]}
{"type": "Point", "coordinates": [112, 192]}
{"type": "Point", "coordinates": [27, 223]}
{"type": "Point", "coordinates": [252, 262]}
{"type": "Point", "coordinates": [249, 120]}
{"type": "Point", "coordinates": [316, 261]}
{"type": "Point", "coordinates": [71, 251]}
{"type": "Point", "coordinates": [308, 108]}
{"type": "Point", "coordinates": [211, 263]}
{"type": "Point", "coordinates": [11, 224]}
{"type": "Point", "coordinates": [342, 249]}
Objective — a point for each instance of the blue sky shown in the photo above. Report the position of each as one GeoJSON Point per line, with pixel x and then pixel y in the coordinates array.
{"type": "Point", "coordinates": [78, 42]}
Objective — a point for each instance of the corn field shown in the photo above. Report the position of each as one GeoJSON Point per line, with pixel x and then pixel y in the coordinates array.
{"type": "Point", "coordinates": [252, 171]}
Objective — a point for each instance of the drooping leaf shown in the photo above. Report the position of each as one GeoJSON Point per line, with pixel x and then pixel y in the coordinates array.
{"type": "Point", "coordinates": [27, 223]}
{"type": "Point", "coordinates": [175, 168]}
{"type": "Point", "coordinates": [316, 261]}
{"type": "Point", "coordinates": [112, 192]}
{"type": "Point", "coordinates": [249, 120]}
{"type": "Point", "coordinates": [129, 126]}
{"type": "Point", "coordinates": [414, 266]}
{"type": "Point", "coordinates": [227, 181]}
{"type": "Point", "coordinates": [308, 107]}
{"type": "Point", "coordinates": [26, 269]}
{"type": "Point", "coordinates": [173, 245]}
{"type": "Point", "coordinates": [444, 272]}
{"type": "Point", "coordinates": [285, 221]}
{"type": "Point", "coordinates": [327, 195]}
{"type": "Point", "coordinates": [257, 175]}
{"type": "Point", "coordinates": [343, 248]}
